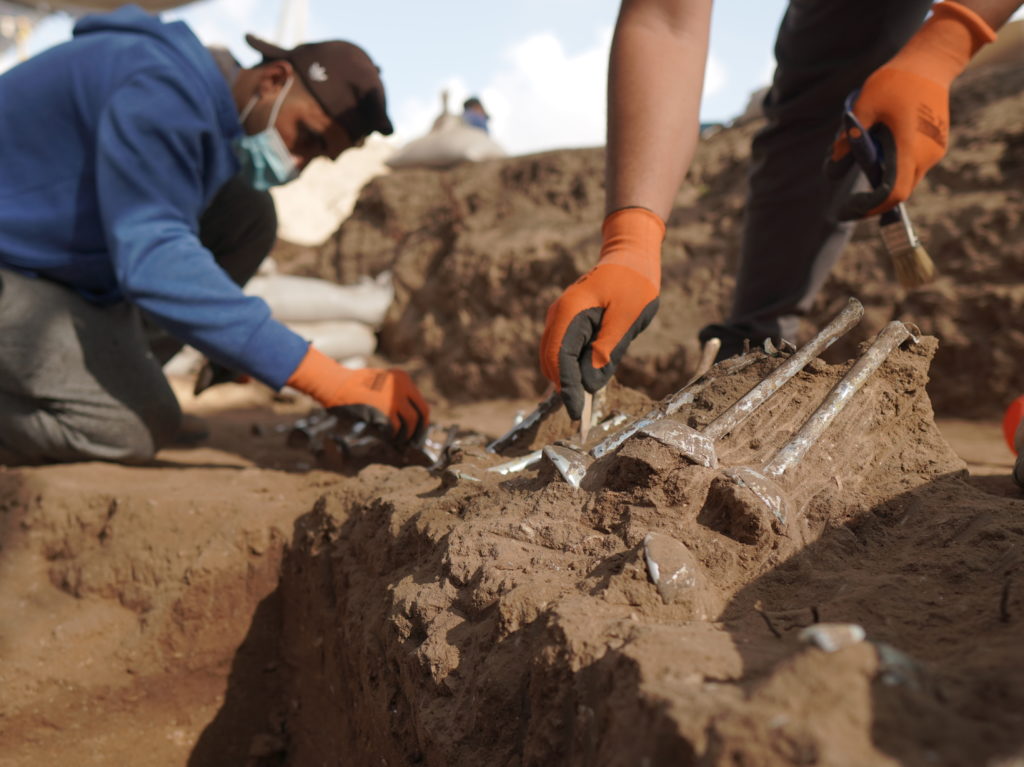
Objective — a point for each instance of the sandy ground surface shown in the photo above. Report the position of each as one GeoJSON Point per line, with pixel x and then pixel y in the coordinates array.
{"type": "Point", "coordinates": [104, 659]}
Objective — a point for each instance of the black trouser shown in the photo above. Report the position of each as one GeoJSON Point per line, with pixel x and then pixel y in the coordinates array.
{"type": "Point", "coordinates": [791, 237]}
{"type": "Point", "coordinates": [80, 381]}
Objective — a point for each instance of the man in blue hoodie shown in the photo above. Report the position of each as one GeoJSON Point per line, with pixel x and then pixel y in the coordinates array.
{"type": "Point", "coordinates": [134, 165]}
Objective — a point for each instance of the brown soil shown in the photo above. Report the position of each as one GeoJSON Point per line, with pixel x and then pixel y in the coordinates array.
{"type": "Point", "coordinates": [236, 604]}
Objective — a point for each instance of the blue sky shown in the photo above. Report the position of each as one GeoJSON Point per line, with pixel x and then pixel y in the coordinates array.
{"type": "Point", "coordinates": [539, 65]}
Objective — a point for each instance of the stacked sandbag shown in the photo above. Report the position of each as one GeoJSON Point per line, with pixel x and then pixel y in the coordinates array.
{"type": "Point", "coordinates": [451, 141]}
{"type": "Point", "coordinates": [340, 320]}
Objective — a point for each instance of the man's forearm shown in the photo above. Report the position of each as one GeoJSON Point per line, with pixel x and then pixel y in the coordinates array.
{"type": "Point", "coordinates": [655, 78]}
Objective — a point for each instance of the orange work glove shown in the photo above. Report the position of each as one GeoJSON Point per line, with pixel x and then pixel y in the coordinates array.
{"type": "Point", "coordinates": [592, 323]}
{"type": "Point", "coordinates": [384, 398]}
{"type": "Point", "coordinates": [904, 106]}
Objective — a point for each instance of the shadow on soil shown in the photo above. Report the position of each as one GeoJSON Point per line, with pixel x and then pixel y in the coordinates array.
{"type": "Point", "coordinates": [248, 728]}
{"type": "Point", "coordinates": [936, 574]}
{"type": "Point", "coordinates": [354, 687]}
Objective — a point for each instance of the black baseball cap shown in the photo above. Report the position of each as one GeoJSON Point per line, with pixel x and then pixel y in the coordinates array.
{"type": "Point", "coordinates": [342, 78]}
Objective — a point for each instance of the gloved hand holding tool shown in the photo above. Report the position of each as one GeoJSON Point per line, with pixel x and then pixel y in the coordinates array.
{"type": "Point", "coordinates": [910, 260]}
{"type": "Point", "coordinates": [590, 326]}
{"type": "Point", "coordinates": [904, 105]}
{"type": "Point", "coordinates": [897, 128]}
{"type": "Point", "coordinates": [387, 400]}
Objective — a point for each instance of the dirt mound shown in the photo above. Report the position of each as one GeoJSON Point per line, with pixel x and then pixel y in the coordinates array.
{"type": "Point", "coordinates": [514, 620]}
{"type": "Point", "coordinates": [480, 251]}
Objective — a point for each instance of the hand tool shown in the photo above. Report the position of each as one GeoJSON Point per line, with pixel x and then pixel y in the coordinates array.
{"type": "Point", "coordinates": [587, 416]}
{"type": "Point", "coordinates": [548, 405]}
{"type": "Point", "coordinates": [910, 261]}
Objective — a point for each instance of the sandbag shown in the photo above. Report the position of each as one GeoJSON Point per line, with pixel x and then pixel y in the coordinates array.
{"type": "Point", "coordinates": [338, 339]}
{"type": "Point", "coordinates": [450, 142]}
{"type": "Point", "coordinates": [308, 299]}
{"type": "Point", "coordinates": [185, 363]}
{"type": "Point", "coordinates": [311, 208]}
{"type": "Point", "coordinates": [347, 341]}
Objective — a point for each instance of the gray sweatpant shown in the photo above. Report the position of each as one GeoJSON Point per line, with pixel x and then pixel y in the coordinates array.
{"type": "Point", "coordinates": [791, 236]}
{"type": "Point", "coordinates": [84, 382]}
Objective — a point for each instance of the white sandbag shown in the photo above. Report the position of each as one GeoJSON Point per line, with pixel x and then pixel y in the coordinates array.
{"type": "Point", "coordinates": [267, 267]}
{"type": "Point", "coordinates": [185, 363]}
{"type": "Point", "coordinates": [312, 207]}
{"type": "Point", "coordinates": [451, 141]}
{"type": "Point", "coordinates": [308, 299]}
{"type": "Point", "coordinates": [338, 339]}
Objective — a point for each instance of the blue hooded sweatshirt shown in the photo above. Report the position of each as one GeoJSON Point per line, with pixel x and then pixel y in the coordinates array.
{"type": "Point", "coordinates": [111, 146]}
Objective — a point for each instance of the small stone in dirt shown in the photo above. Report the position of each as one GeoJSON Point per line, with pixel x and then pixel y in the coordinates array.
{"type": "Point", "coordinates": [897, 669]}
{"type": "Point", "coordinates": [832, 636]}
{"type": "Point", "coordinates": [676, 572]}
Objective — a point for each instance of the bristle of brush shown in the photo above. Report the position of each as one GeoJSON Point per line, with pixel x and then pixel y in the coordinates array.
{"type": "Point", "coordinates": [913, 267]}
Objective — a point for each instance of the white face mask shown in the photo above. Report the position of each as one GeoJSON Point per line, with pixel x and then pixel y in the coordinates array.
{"type": "Point", "coordinates": [266, 160]}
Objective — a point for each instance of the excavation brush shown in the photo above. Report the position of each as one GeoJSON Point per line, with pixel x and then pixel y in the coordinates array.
{"type": "Point", "coordinates": [911, 262]}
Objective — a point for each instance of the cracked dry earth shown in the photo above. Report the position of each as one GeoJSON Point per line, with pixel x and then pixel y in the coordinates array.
{"type": "Point", "coordinates": [215, 610]}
